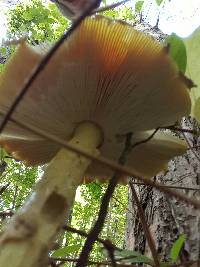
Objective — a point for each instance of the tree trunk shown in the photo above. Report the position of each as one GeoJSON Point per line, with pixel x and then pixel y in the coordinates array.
{"type": "Point", "coordinates": [167, 217]}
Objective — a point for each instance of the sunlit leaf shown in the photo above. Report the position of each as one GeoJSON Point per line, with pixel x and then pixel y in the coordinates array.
{"type": "Point", "coordinates": [138, 6]}
{"type": "Point", "coordinates": [159, 2]}
{"type": "Point", "coordinates": [177, 51]}
{"type": "Point", "coordinates": [62, 252]}
{"type": "Point", "coordinates": [176, 248]}
{"type": "Point", "coordinates": [27, 15]}
{"type": "Point", "coordinates": [193, 69]}
{"type": "Point", "coordinates": [196, 109]}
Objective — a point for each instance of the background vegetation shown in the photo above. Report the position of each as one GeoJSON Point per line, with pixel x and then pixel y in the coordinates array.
{"type": "Point", "coordinates": [41, 22]}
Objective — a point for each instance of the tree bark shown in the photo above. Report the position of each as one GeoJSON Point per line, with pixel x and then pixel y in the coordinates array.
{"type": "Point", "coordinates": [167, 217]}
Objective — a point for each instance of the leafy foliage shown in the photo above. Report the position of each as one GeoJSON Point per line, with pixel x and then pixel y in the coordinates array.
{"type": "Point", "coordinates": [37, 20]}
{"type": "Point", "coordinates": [85, 213]}
{"type": "Point", "coordinates": [42, 22]}
{"type": "Point", "coordinates": [125, 13]}
{"type": "Point", "coordinates": [135, 257]}
{"type": "Point", "coordinates": [21, 179]}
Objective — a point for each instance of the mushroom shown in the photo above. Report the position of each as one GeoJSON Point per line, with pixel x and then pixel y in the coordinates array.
{"type": "Point", "coordinates": [105, 81]}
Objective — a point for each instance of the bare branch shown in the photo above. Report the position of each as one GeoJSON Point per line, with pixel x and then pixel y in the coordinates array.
{"type": "Point", "coordinates": [145, 226]}
{"type": "Point", "coordinates": [3, 188]}
{"type": "Point", "coordinates": [182, 130]}
{"type": "Point", "coordinates": [82, 233]}
{"type": "Point", "coordinates": [109, 7]}
{"type": "Point", "coordinates": [145, 140]}
{"type": "Point", "coordinates": [106, 263]}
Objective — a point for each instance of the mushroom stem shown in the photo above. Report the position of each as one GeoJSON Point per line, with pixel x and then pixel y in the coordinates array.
{"type": "Point", "coordinates": [29, 235]}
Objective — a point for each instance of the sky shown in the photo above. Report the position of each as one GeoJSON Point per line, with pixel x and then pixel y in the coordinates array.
{"type": "Point", "coordinates": [179, 16]}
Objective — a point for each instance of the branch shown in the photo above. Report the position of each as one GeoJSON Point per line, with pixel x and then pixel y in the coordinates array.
{"type": "Point", "coordinates": [109, 7]}
{"type": "Point", "coordinates": [3, 188]}
{"type": "Point", "coordinates": [145, 140]}
{"type": "Point", "coordinates": [91, 262]}
{"type": "Point", "coordinates": [95, 231]}
{"type": "Point", "coordinates": [145, 226]}
{"type": "Point", "coordinates": [182, 130]}
{"type": "Point", "coordinates": [6, 213]}
{"type": "Point", "coordinates": [84, 234]}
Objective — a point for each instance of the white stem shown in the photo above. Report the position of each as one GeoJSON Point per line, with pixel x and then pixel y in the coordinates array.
{"type": "Point", "coordinates": [30, 234]}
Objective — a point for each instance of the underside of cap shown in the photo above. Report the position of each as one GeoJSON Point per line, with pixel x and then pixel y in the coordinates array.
{"type": "Point", "coordinates": [146, 160]}
{"type": "Point", "coordinates": [106, 72]}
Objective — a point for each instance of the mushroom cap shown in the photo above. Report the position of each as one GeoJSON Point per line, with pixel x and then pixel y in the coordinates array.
{"type": "Point", "coordinates": [107, 73]}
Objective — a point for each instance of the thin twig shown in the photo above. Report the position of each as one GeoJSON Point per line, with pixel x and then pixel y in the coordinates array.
{"type": "Point", "coordinates": [109, 163]}
{"type": "Point", "coordinates": [109, 7]}
{"type": "Point", "coordinates": [157, 22]}
{"type": "Point", "coordinates": [182, 130]}
{"type": "Point", "coordinates": [14, 197]}
{"type": "Point", "coordinates": [165, 185]}
{"type": "Point", "coordinates": [107, 244]}
{"type": "Point", "coordinates": [145, 140]}
{"type": "Point", "coordinates": [173, 186]}
{"type": "Point", "coordinates": [82, 233]}
{"type": "Point", "coordinates": [95, 231]}
{"type": "Point", "coordinates": [3, 188]}
{"type": "Point", "coordinates": [145, 226]}
{"type": "Point", "coordinates": [193, 151]}
{"type": "Point", "coordinates": [111, 249]}
{"type": "Point", "coordinates": [6, 213]}
{"type": "Point", "coordinates": [181, 178]}
{"type": "Point", "coordinates": [44, 62]}
{"type": "Point", "coordinates": [91, 262]}
{"type": "Point", "coordinates": [117, 200]}
{"type": "Point", "coordinates": [186, 263]}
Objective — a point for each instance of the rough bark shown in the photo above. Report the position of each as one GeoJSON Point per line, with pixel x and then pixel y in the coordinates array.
{"type": "Point", "coordinates": [168, 217]}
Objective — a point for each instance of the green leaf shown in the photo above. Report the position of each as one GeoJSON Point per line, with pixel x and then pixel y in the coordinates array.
{"type": "Point", "coordinates": [62, 252]}
{"type": "Point", "coordinates": [138, 6]}
{"type": "Point", "coordinates": [196, 109]}
{"type": "Point", "coordinates": [27, 15]}
{"type": "Point", "coordinates": [176, 248]}
{"type": "Point", "coordinates": [127, 256]}
{"type": "Point", "coordinates": [177, 51]}
{"type": "Point", "coordinates": [193, 69]}
{"type": "Point", "coordinates": [159, 2]}
{"type": "Point", "coordinates": [50, 20]}
{"type": "Point", "coordinates": [3, 51]}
